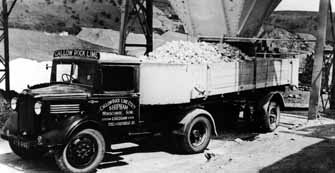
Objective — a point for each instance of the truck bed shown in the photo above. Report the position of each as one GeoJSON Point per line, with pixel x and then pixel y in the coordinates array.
{"type": "Point", "coordinates": [162, 84]}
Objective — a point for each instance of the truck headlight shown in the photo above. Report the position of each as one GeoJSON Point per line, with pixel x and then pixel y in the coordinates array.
{"type": "Point", "coordinates": [13, 103]}
{"type": "Point", "coordinates": [38, 108]}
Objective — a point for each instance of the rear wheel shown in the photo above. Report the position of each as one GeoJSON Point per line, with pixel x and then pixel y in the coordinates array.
{"type": "Point", "coordinates": [271, 117]}
{"type": "Point", "coordinates": [83, 153]}
{"type": "Point", "coordinates": [197, 136]}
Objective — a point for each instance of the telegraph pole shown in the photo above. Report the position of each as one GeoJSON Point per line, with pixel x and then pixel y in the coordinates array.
{"type": "Point", "coordinates": [318, 60]}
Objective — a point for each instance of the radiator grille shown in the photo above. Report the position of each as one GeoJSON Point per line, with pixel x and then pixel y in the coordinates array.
{"type": "Point", "coordinates": [65, 109]}
{"type": "Point", "coordinates": [26, 118]}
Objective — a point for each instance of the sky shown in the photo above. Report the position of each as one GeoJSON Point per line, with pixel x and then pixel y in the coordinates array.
{"type": "Point", "coordinates": [301, 5]}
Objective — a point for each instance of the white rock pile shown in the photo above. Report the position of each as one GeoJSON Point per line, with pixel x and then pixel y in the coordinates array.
{"type": "Point", "coordinates": [25, 72]}
{"type": "Point", "coordinates": [184, 52]}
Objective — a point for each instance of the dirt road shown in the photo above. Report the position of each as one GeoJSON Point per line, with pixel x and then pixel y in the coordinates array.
{"type": "Point", "coordinates": [293, 147]}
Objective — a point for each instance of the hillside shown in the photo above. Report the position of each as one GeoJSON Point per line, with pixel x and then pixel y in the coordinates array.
{"type": "Point", "coordinates": [296, 21]}
{"type": "Point", "coordinates": [97, 22]}
{"type": "Point", "coordinates": [40, 45]}
{"type": "Point", "coordinates": [71, 15]}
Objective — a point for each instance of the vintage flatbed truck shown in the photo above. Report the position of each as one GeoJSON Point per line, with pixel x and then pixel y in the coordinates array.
{"type": "Point", "coordinates": [95, 99]}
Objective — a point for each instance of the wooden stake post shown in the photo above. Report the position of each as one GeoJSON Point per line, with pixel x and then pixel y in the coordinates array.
{"type": "Point", "coordinates": [318, 60]}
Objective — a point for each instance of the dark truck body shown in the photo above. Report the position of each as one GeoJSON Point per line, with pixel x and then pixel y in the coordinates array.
{"type": "Point", "coordinates": [112, 98]}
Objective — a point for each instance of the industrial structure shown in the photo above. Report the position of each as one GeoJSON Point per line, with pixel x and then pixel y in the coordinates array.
{"type": "Point", "coordinates": [95, 99]}
{"type": "Point", "coordinates": [4, 59]}
{"type": "Point", "coordinates": [226, 20]}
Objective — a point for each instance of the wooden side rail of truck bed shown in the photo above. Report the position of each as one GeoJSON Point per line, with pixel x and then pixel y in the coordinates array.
{"type": "Point", "coordinates": [180, 83]}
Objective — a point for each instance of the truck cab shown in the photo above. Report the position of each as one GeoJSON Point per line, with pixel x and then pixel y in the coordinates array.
{"type": "Point", "coordinates": [92, 99]}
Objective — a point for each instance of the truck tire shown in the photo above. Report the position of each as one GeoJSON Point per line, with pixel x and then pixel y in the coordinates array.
{"type": "Point", "coordinates": [271, 117]}
{"type": "Point", "coordinates": [83, 153]}
{"type": "Point", "coordinates": [197, 136]}
{"type": "Point", "coordinates": [25, 153]}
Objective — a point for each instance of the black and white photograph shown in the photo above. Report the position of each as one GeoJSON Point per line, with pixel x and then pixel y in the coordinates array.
{"type": "Point", "coordinates": [168, 86]}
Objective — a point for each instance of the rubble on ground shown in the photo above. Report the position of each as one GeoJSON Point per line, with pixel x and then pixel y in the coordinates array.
{"type": "Point", "coordinates": [185, 52]}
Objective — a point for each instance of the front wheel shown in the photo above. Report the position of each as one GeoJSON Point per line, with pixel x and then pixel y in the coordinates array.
{"type": "Point", "coordinates": [83, 153]}
{"type": "Point", "coordinates": [197, 136]}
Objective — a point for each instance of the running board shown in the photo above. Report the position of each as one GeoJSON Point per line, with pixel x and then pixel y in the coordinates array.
{"type": "Point", "coordinates": [140, 133]}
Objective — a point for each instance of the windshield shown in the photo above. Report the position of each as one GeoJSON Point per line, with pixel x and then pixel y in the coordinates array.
{"type": "Point", "coordinates": [75, 72]}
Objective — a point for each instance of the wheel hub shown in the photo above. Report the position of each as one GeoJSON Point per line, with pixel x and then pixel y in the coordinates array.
{"type": "Point", "coordinates": [82, 151]}
{"type": "Point", "coordinates": [197, 134]}
{"type": "Point", "coordinates": [273, 116]}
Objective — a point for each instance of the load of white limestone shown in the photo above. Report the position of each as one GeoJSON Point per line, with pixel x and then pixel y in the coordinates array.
{"type": "Point", "coordinates": [184, 52]}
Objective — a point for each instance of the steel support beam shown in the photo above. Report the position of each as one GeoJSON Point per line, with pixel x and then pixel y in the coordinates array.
{"type": "Point", "coordinates": [6, 43]}
{"type": "Point", "coordinates": [332, 86]}
{"type": "Point", "coordinates": [4, 60]}
{"type": "Point", "coordinates": [318, 60]}
{"type": "Point", "coordinates": [149, 19]}
{"type": "Point", "coordinates": [142, 11]}
{"type": "Point", "coordinates": [124, 26]}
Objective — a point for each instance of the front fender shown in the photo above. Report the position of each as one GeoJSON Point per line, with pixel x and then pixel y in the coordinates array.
{"type": "Point", "coordinates": [67, 128]}
{"type": "Point", "coordinates": [58, 135]}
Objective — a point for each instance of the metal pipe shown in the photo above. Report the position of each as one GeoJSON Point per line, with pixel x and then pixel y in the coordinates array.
{"type": "Point", "coordinates": [251, 39]}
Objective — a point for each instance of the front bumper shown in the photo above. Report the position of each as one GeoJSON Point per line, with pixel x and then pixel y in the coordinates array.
{"type": "Point", "coordinates": [20, 141]}
{"type": "Point", "coordinates": [26, 142]}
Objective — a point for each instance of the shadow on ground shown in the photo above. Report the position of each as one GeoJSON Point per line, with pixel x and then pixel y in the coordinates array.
{"type": "Point", "coordinates": [241, 131]}
{"type": "Point", "coordinates": [315, 158]}
{"type": "Point", "coordinates": [319, 157]}
{"type": "Point", "coordinates": [143, 145]}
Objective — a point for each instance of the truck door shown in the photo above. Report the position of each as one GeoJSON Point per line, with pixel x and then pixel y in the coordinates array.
{"type": "Point", "coordinates": [119, 101]}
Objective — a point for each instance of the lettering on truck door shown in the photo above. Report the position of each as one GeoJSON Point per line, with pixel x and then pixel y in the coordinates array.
{"type": "Point", "coordinates": [119, 111]}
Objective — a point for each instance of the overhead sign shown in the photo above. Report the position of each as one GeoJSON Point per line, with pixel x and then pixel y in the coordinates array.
{"type": "Point", "coordinates": [77, 53]}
